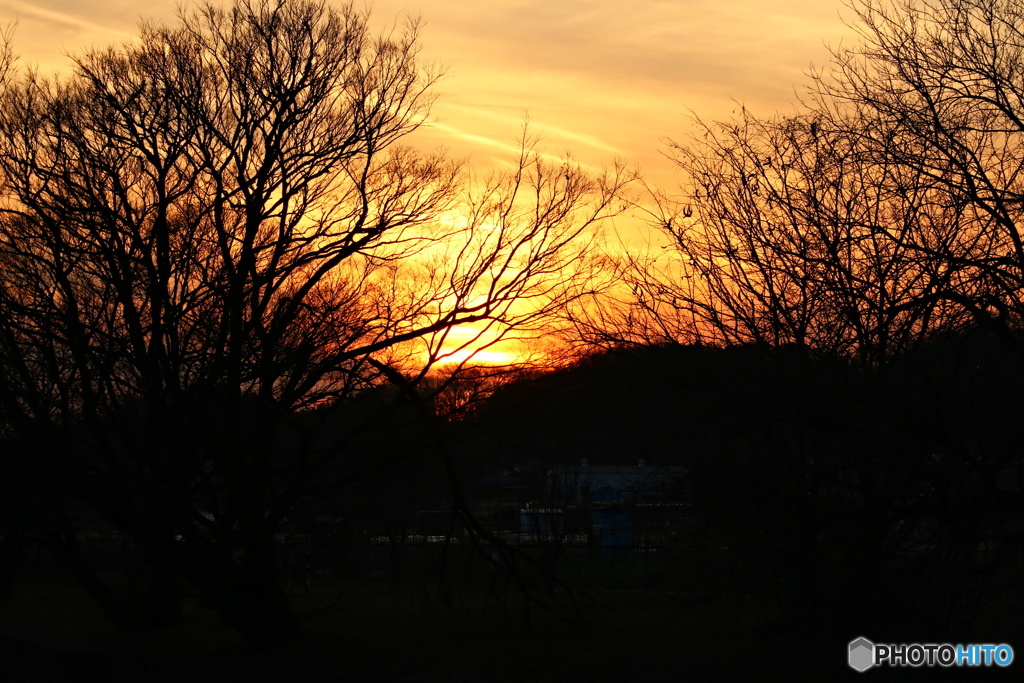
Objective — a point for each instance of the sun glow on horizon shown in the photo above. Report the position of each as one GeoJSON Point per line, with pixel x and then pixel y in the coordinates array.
{"type": "Point", "coordinates": [480, 357]}
{"type": "Point", "coordinates": [477, 344]}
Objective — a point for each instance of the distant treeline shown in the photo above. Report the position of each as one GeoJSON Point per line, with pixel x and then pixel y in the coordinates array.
{"type": "Point", "coordinates": [885, 501]}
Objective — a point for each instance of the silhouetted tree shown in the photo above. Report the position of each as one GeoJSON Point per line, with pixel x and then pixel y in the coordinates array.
{"type": "Point", "coordinates": [938, 89]}
{"type": "Point", "coordinates": [885, 210]}
{"type": "Point", "coordinates": [212, 229]}
{"type": "Point", "coordinates": [791, 233]}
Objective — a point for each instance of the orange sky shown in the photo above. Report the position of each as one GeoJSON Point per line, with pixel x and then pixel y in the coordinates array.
{"type": "Point", "coordinates": [602, 78]}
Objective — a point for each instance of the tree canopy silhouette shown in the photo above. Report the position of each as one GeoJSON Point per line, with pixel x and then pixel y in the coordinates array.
{"type": "Point", "coordinates": [214, 227]}
{"type": "Point", "coordinates": [884, 211]}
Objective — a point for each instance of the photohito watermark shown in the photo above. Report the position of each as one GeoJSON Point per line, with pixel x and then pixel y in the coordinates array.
{"type": "Point", "coordinates": [863, 654]}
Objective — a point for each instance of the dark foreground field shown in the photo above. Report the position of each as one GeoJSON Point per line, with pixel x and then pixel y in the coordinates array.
{"type": "Point", "coordinates": [363, 631]}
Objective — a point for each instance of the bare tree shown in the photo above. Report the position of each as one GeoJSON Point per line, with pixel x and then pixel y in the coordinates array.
{"type": "Point", "coordinates": [939, 84]}
{"type": "Point", "coordinates": [791, 234]}
{"type": "Point", "coordinates": [208, 230]}
{"type": "Point", "coordinates": [886, 209]}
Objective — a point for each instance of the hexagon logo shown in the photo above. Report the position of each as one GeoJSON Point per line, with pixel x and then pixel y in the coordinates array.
{"type": "Point", "coordinates": [862, 654]}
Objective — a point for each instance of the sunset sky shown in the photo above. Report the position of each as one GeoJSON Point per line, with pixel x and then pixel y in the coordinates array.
{"type": "Point", "coordinates": [601, 78]}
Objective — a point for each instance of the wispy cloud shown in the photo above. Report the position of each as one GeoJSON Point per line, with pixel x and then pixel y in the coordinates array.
{"type": "Point", "coordinates": [603, 78]}
{"type": "Point", "coordinates": [508, 148]}
{"type": "Point", "coordinates": [60, 18]}
{"type": "Point", "coordinates": [478, 139]}
{"type": "Point", "coordinates": [541, 127]}
{"type": "Point", "coordinates": [737, 49]}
